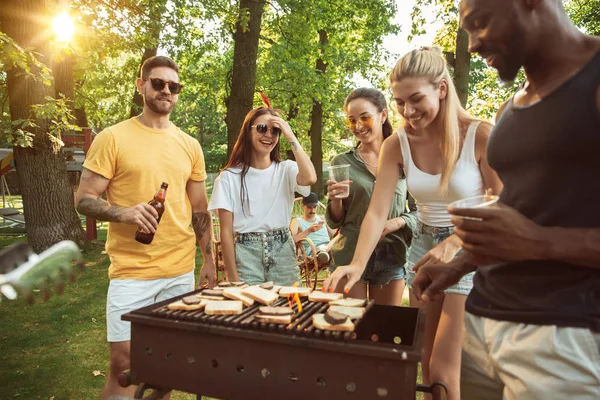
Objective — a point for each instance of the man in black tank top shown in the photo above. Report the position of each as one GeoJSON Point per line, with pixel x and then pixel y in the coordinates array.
{"type": "Point", "coordinates": [532, 327]}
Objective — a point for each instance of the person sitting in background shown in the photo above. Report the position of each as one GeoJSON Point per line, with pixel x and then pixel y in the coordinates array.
{"type": "Point", "coordinates": [311, 226]}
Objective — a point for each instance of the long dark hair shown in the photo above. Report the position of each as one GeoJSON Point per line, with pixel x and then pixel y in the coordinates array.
{"type": "Point", "coordinates": [241, 156]}
{"type": "Point", "coordinates": [376, 98]}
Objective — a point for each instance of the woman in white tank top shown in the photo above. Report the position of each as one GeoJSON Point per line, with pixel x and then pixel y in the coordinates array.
{"type": "Point", "coordinates": [442, 150]}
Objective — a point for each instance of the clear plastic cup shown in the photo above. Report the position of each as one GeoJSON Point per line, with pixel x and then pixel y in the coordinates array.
{"type": "Point", "coordinates": [341, 174]}
{"type": "Point", "coordinates": [481, 201]}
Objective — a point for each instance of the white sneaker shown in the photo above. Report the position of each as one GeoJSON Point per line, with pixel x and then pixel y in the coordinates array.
{"type": "Point", "coordinates": [322, 257]}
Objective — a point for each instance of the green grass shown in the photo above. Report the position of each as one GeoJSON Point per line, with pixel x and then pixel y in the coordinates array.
{"type": "Point", "coordinates": [52, 350]}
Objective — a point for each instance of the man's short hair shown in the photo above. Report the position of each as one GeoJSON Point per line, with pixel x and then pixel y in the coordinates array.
{"type": "Point", "coordinates": [311, 200]}
{"type": "Point", "coordinates": [155, 62]}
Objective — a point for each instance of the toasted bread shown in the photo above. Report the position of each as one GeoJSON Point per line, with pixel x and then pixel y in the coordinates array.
{"type": "Point", "coordinates": [290, 290]}
{"type": "Point", "coordinates": [261, 295]}
{"type": "Point", "coordinates": [348, 302]}
{"type": "Point", "coordinates": [323, 297]}
{"type": "Point", "coordinates": [274, 319]}
{"type": "Point", "coordinates": [235, 293]}
{"type": "Point", "coordinates": [269, 310]}
{"type": "Point", "coordinates": [319, 322]}
{"type": "Point", "coordinates": [228, 307]}
{"type": "Point", "coordinates": [207, 297]}
{"type": "Point", "coordinates": [180, 305]}
{"type": "Point", "coordinates": [352, 312]}
{"type": "Point", "coordinates": [276, 289]}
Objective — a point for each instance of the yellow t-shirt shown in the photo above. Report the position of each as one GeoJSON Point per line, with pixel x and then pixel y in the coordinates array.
{"type": "Point", "coordinates": [137, 159]}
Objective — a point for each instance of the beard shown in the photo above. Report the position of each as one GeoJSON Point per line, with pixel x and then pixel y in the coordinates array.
{"type": "Point", "coordinates": [159, 107]}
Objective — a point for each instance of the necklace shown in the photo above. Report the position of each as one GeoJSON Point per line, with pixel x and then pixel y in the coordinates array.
{"type": "Point", "coordinates": [363, 160]}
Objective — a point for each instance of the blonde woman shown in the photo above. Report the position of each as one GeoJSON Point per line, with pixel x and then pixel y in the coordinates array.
{"type": "Point", "coordinates": [442, 151]}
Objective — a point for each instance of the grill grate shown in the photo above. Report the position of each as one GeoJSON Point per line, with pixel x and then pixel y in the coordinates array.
{"type": "Point", "coordinates": [301, 324]}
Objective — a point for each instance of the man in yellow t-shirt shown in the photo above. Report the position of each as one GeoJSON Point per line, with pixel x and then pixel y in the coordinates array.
{"type": "Point", "coordinates": [129, 161]}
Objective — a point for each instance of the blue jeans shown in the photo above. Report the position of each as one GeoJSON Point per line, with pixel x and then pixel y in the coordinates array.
{"type": "Point", "coordinates": [426, 238]}
{"type": "Point", "coordinates": [267, 256]}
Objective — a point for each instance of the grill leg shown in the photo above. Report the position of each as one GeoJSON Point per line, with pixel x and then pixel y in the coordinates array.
{"type": "Point", "coordinates": [438, 390]}
{"type": "Point", "coordinates": [156, 394]}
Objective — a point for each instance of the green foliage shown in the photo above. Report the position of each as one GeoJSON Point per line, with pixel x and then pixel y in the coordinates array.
{"type": "Point", "coordinates": [585, 14]}
{"type": "Point", "coordinates": [56, 111]}
{"type": "Point", "coordinates": [290, 48]}
{"type": "Point", "coordinates": [13, 56]}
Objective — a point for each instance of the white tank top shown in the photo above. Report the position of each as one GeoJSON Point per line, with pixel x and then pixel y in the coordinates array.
{"type": "Point", "coordinates": [466, 181]}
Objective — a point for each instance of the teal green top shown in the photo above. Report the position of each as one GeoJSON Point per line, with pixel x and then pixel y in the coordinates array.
{"type": "Point", "coordinates": [355, 208]}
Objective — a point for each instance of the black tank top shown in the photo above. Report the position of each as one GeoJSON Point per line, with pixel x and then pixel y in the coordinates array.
{"type": "Point", "coordinates": [548, 157]}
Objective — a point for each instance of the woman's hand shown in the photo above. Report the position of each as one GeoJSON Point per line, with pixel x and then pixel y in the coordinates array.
{"type": "Point", "coordinates": [335, 188]}
{"type": "Point", "coordinates": [392, 225]}
{"type": "Point", "coordinates": [440, 254]}
{"type": "Point", "coordinates": [351, 272]}
{"type": "Point", "coordinates": [286, 129]}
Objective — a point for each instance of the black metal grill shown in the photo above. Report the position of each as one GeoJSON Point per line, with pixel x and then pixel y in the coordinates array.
{"type": "Point", "coordinates": [235, 357]}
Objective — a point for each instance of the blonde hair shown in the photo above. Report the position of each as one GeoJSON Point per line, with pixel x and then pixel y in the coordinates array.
{"type": "Point", "coordinates": [428, 63]}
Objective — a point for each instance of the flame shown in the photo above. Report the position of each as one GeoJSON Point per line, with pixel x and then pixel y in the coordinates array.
{"type": "Point", "coordinates": [295, 298]}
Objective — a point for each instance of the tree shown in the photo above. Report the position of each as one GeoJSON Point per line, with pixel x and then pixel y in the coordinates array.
{"type": "Point", "coordinates": [47, 197]}
{"type": "Point", "coordinates": [156, 11]}
{"type": "Point", "coordinates": [316, 123]}
{"type": "Point", "coordinates": [243, 73]}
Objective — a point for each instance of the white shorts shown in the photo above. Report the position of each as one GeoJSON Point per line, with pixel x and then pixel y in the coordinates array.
{"type": "Point", "coordinates": [125, 295]}
{"type": "Point", "coordinates": [511, 361]}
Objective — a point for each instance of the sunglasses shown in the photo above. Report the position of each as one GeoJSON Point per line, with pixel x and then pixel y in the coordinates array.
{"type": "Point", "coordinates": [263, 128]}
{"type": "Point", "coordinates": [159, 84]}
{"type": "Point", "coordinates": [366, 121]}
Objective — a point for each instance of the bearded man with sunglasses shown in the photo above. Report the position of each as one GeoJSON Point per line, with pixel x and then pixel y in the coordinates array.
{"type": "Point", "coordinates": [129, 161]}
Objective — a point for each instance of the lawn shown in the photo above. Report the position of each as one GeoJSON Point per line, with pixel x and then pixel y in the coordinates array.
{"type": "Point", "coordinates": [57, 350]}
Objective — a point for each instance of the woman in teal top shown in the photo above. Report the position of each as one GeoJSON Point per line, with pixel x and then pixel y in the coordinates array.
{"type": "Point", "coordinates": [384, 277]}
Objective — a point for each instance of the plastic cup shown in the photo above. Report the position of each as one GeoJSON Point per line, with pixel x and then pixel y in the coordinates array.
{"type": "Point", "coordinates": [341, 174]}
{"type": "Point", "coordinates": [481, 201]}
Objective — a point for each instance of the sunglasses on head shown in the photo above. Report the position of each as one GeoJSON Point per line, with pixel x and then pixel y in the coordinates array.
{"type": "Point", "coordinates": [159, 84]}
{"type": "Point", "coordinates": [263, 128]}
{"type": "Point", "coordinates": [366, 121]}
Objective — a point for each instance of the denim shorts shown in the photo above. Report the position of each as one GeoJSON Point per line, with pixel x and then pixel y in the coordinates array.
{"type": "Point", "coordinates": [426, 238]}
{"type": "Point", "coordinates": [382, 267]}
{"type": "Point", "coordinates": [267, 256]}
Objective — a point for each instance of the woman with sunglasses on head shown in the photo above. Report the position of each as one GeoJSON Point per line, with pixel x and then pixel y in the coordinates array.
{"type": "Point", "coordinates": [441, 147]}
{"type": "Point", "coordinates": [253, 197]}
{"type": "Point", "coordinates": [384, 276]}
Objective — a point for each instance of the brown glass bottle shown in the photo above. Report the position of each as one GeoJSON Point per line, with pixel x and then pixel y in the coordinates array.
{"type": "Point", "coordinates": [158, 202]}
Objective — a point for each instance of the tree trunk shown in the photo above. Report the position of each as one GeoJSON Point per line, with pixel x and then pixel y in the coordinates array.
{"type": "Point", "coordinates": [137, 106]}
{"type": "Point", "coordinates": [462, 66]}
{"type": "Point", "coordinates": [156, 12]}
{"type": "Point", "coordinates": [47, 197]}
{"type": "Point", "coordinates": [243, 77]}
{"type": "Point", "coordinates": [316, 123]}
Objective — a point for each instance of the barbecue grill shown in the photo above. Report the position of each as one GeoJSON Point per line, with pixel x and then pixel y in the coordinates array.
{"type": "Point", "coordinates": [235, 357]}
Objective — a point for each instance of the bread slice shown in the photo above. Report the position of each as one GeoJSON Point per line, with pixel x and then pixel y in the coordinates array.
{"type": "Point", "coordinates": [290, 290]}
{"type": "Point", "coordinates": [352, 312]}
{"type": "Point", "coordinates": [263, 296]}
{"type": "Point", "coordinates": [274, 319]}
{"type": "Point", "coordinates": [180, 305]}
{"type": "Point", "coordinates": [323, 297]}
{"type": "Point", "coordinates": [348, 302]}
{"type": "Point", "coordinates": [207, 297]}
{"type": "Point", "coordinates": [319, 322]}
{"type": "Point", "coordinates": [276, 289]}
{"type": "Point", "coordinates": [228, 307]}
{"type": "Point", "coordinates": [235, 293]}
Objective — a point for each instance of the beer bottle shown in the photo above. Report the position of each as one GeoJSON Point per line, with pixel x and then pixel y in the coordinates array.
{"type": "Point", "coordinates": [158, 202]}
